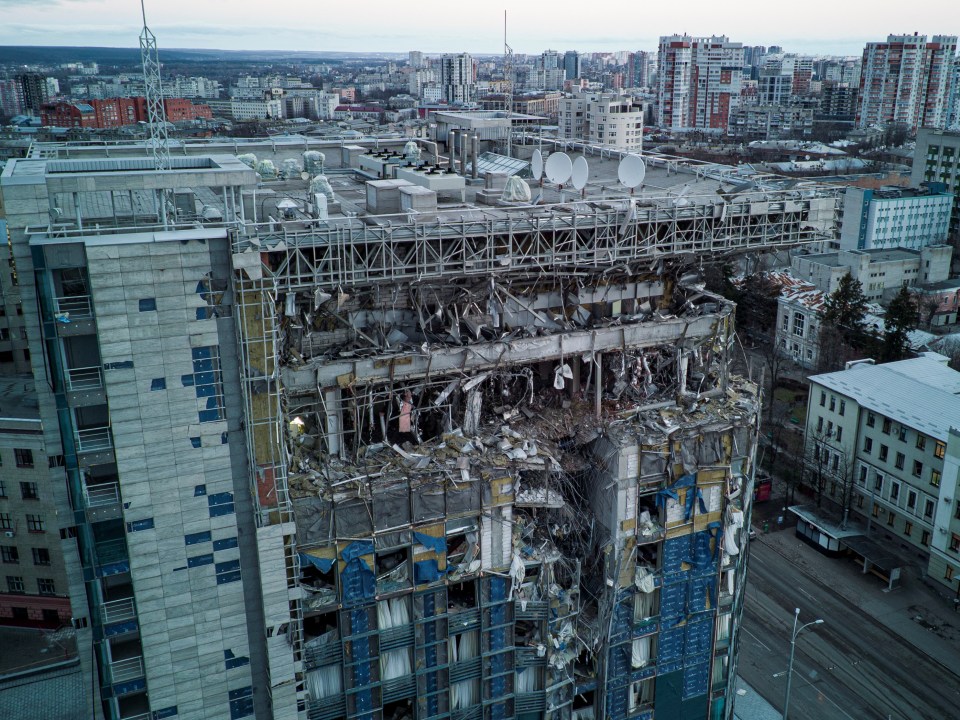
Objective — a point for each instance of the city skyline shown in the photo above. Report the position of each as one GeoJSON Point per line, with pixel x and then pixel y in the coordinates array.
{"type": "Point", "coordinates": [532, 28]}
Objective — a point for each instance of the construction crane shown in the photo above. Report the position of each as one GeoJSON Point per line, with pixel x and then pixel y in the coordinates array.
{"type": "Point", "coordinates": [153, 90]}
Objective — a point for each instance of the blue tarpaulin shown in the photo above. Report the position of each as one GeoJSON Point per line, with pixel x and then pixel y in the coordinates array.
{"type": "Point", "coordinates": [356, 549]}
{"type": "Point", "coordinates": [425, 571]}
{"type": "Point", "coordinates": [437, 544]}
{"type": "Point", "coordinates": [321, 564]}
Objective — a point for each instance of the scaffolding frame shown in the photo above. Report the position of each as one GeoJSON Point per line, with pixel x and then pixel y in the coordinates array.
{"type": "Point", "coordinates": [568, 238]}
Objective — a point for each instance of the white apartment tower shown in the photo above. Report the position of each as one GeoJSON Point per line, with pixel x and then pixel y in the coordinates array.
{"type": "Point", "coordinates": [699, 82]}
{"type": "Point", "coordinates": [906, 80]}
{"type": "Point", "coordinates": [608, 120]}
{"type": "Point", "coordinates": [457, 78]}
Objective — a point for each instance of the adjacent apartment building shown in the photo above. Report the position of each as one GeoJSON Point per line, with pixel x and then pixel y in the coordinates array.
{"type": "Point", "coordinates": [33, 590]}
{"type": "Point", "coordinates": [936, 159]}
{"type": "Point", "coordinates": [864, 427]}
{"type": "Point", "coordinates": [895, 217]}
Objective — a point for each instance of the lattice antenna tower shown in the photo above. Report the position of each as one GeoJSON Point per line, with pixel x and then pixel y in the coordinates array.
{"type": "Point", "coordinates": [508, 77]}
{"type": "Point", "coordinates": [153, 89]}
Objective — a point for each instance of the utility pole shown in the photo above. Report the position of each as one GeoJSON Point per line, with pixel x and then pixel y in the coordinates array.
{"type": "Point", "coordinates": [153, 90]}
{"type": "Point", "coordinates": [508, 78]}
{"type": "Point", "coordinates": [156, 113]}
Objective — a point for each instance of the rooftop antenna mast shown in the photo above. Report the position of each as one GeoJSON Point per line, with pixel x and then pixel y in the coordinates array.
{"type": "Point", "coordinates": [153, 89]}
{"type": "Point", "coordinates": [508, 76]}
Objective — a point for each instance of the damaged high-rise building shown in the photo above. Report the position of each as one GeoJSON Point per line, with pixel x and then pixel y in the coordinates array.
{"type": "Point", "coordinates": [358, 451]}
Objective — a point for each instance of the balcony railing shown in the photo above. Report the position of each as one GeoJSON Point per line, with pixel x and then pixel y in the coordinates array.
{"type": "Point", "coordinates": [93, 439]}
{"type": "Point", "coordinates": [115, 611]}
{"type": "Point", "coordinates": [74, 307]}
{"type": "Point", "coordinates": [86, 378]}
{"type": "Point", "coordinates": [122, 671]}
{"type": "Point", "coordinates": [101, 496]}
{"type": "Point", "coordinates": [111, 551]}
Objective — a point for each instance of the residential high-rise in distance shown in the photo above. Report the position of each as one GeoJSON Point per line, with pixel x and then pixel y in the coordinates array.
{"type": "Point", "coordinates": [639, 66]}
{"type": "Point", "coordinates": [906, 81]}
{"type": "Point", "coordinates": [33, 92]}
{"type": "Point", "coordinates": [458, 78]}
{"type": "Point", "coordinates": [699, 82]}
{"type": "Point", "coordinates": [571, 65]}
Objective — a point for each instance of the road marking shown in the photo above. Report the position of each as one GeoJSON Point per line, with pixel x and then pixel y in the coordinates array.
{"type": "Point", "coordinates": [756, 638]}
{"type": "Point", "coordinates": [822, 694]}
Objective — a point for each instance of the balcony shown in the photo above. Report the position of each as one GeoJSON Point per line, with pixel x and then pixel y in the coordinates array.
{"type": "Point", "coordinates": [93, 440]}
{"type": "Point", "coordinates": [102, 501]}
{"type": "Point", "coordinates": [84, 379]}
{"type": "Point", "coordinates": [120, 615]}
{"type": "Point", "coordinates": [112, 557]}
{"type": "Point", "coordinates": [73, 307]}
{"type": "Point", "coordinates": [127, 672]}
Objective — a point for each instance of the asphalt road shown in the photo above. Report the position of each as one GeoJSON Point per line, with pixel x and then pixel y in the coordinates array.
{"type": "Point", "coordinates": [849, 668]}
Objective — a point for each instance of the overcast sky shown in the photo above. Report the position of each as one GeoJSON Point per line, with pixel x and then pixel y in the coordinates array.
{"type": "Point", "coordinates": [838, 27]}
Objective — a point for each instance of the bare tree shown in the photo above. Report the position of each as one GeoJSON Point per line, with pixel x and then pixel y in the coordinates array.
{"type": "Point", "coordinates": [816, 463]}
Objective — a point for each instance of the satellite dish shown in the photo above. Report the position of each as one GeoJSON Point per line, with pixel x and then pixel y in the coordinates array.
{"type": "Point", "coordinates": [581, 171]}
{"type": "Point", "coordinates": [558, 168]}
{"type": "Point", "coordinates": [631, 171]}
{"type": "Point", "coordinates": [536, 164]}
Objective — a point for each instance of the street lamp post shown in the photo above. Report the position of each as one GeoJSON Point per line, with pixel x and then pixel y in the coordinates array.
{"type": "Point", "coordinates": [793, 647]}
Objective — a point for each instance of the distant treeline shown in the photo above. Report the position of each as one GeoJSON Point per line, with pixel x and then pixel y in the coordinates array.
{"type": "Point", "coordinates": [31, 54]}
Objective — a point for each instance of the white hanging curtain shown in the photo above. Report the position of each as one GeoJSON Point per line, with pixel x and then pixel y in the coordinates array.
{"type": "Point", "coordinates": [643, 606]}
{"type": "Point", "coordinates": [465, 693]}
{"type": "Point", "coordinates": [324, 682]}
{"type": "Point", "coordinates": [526, 682]}
{"type": "Point", "coordinates": [641, 652]}
{"type": "Point", "coordinates": [390, 614]}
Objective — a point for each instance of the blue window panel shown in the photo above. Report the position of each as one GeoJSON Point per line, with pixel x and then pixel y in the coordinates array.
{"type": "Point", "coordinates": [165, 713]}
{"type": "Point", "coordinates": [187, 380]}
{"type": "Point", "coordinates": [204, 313]}
{"type": "Point", "coordinates": [224, 578]}
{"type": "Point", "coordinates": [158, 384]}
{"type": "Point", "coordinates": [122, 365]}
{"type": "Point", "coordinates": [200, 366]}
{"type": "Point", "coordinates": [199, 490]}
{"type": "Point", "coordinates": [223, 438]}
{"type": "Point", "coordinates": [220, 504]}
{"type": "Point", "coordinates": [195, 538]}
{"type": "Point", "coordinates": [237, 662]}
{"type": "Point", "coordinates": [224, 544]}
{"type": "Point", "coordinates": [209, 416]}
{"type": "Point", "coordinates": [201, 353]}
{"type": "Point", "coordinates": [200, 560]}
{"type": "Point", "coordinates": [147, 304]}
{"type": "Point", "coordinates": [137, 525]}
{"type": "Point", "coordinates": [212, 403]}
{"type": "Point", "coordinates": [206, 390]}
{"type": "Point", "coordinates": [228, 566]}
{"type": "Point", "coordinates": [241, 703]}
{"type": "Point", "coordinates": [205, 386]}
{"type": "Point", "coordinates": [195, 441]}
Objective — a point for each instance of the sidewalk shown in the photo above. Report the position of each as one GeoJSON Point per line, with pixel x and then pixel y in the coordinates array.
{"type": "Point", "coordinates": [750, 705]}
{"type": "Point", "coordinates": [914, 611]}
